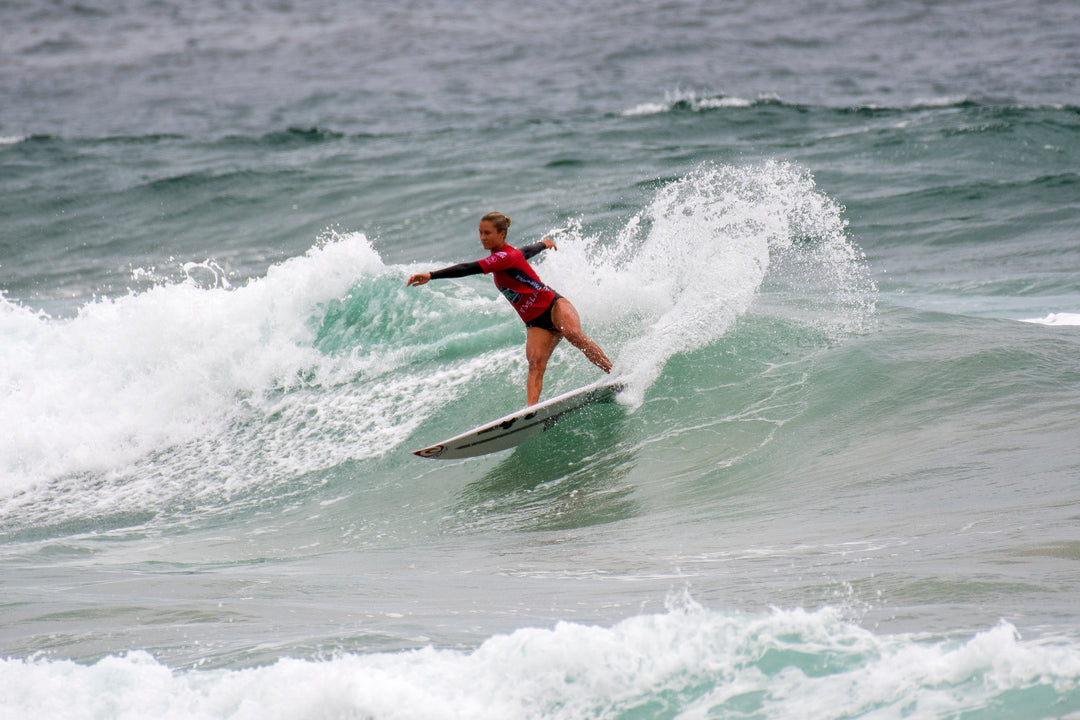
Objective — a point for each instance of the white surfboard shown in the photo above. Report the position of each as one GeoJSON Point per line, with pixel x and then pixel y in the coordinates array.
{"type": "Point", "coordinates": [516, 428]}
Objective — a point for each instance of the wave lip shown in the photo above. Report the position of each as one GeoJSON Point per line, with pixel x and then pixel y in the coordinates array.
{"type": "Point", "coordinates": [688, 100]}
{"type": "Point", "coordinates": [1056, 319]}
{"type": "Point", "coordinates": [680, 100]}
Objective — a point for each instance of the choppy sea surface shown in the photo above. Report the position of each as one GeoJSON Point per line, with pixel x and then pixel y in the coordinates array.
{"type": "Point", "coordinates": [833, 249]}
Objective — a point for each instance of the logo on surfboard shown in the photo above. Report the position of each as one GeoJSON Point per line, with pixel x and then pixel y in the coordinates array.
{"type": "Point", "coordinates": [430, 452]}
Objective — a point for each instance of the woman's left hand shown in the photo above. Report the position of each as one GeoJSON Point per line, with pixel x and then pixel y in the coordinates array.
{"type": "Point", "coordinates": [550, 244]}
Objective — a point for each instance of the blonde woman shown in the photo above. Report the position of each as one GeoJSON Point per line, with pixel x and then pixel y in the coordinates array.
{"type": "Point", "coordinates": [548, 316]}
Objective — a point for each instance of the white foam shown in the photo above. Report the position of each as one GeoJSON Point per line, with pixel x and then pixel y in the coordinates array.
{"type": "Point", "coordinates": [177, 386]}
{"type": "Point", "coordinates": [1056, 319]}
{"type": "Point", "coordinates": [689, 99]}
{"type": "Point", "coordinates": [690, 661]}
{"type": "Point", "coordinates": [683, 270]}
{"type": "Point", "coordinates": [943, 101]}
{"type": "Point", "coordinates": [650, 108]}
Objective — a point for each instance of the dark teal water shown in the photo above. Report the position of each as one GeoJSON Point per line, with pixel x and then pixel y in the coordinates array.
{"type": "Point", "coordinates": [833, 251]}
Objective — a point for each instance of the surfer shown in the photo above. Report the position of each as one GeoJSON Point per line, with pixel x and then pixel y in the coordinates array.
{"type": "Point", "coordinates": [548, 316]}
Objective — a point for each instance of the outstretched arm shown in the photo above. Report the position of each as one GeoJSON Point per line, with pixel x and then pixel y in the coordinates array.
{"type": "Point", "coordinates": [460, 270]}
{"type": "Point", "coordinates": [473, 268]}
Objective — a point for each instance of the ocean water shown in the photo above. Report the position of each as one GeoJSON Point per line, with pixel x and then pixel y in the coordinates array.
{"type": "Point", "coordinates": [833, 249]}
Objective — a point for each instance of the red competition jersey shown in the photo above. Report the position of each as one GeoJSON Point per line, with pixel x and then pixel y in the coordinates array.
{"type": "Point", "coordinates": [518, 282]}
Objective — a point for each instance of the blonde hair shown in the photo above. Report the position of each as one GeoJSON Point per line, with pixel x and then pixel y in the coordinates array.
{"type": "Point", "coordinates": [500, 221]}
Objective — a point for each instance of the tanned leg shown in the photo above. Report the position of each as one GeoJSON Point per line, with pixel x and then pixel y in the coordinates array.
{"type": "Point", "coordinates": [565, 317]}
{"type": "Point", "coordinates": [539, 344]}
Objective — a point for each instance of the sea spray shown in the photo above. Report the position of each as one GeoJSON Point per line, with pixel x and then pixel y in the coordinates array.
{"type": "Point", "coordinates": [684, 269]}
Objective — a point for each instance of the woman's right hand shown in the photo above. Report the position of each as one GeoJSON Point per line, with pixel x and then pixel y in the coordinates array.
{"type": "Point", "coordinates": [419, 279]}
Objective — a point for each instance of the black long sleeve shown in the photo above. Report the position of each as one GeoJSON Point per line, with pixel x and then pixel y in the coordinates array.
{"type": "Point", "coordinates": [473, 268]}
{"type": "Point", "coordinates": [535, 249]}
{"type": "Point", "coordinates": [456, 271]}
